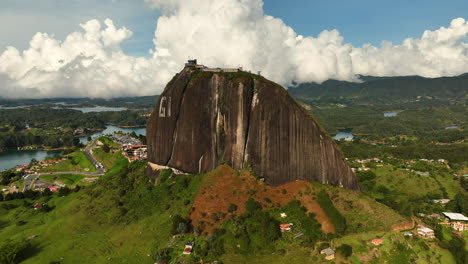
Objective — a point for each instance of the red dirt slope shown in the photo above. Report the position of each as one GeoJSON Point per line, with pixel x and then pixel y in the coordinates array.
{"type": "Point", "coordinates": [225, 186]}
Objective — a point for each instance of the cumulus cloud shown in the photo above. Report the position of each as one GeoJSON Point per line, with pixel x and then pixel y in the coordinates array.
{"type": "Point", "coordinates": [220, 33]}
{"type": "Point", "coordinates": [237, 32]}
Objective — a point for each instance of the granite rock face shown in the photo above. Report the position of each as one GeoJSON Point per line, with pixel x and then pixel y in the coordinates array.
{"type": "Point", "coordinates": [203, 119]}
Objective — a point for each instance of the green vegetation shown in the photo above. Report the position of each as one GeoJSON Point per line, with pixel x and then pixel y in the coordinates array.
{"type": "Point", "coordinates": [67, 179]}
{"type": "Point", "coordinates": [13, 251]}
{"type": "Point", "coordinates": [42, 126]}
{"type": "Point", "coordinates": [76, 161]}
{"type": "Point", "coordinates": [114, 161]}
{"type": "Point", "coordinates": [335, 216]}
{"type": "Point", "coordinates": [9, 176]}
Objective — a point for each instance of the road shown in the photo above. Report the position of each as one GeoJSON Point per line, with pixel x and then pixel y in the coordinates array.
{"type": "Point", "coordinates": [89, 153]}
{"type": "Point", "coordinates": [30, 178]}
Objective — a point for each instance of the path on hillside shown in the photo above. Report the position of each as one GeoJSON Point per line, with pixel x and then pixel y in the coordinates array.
{"type": "Point", "coordinates": [30, 178]}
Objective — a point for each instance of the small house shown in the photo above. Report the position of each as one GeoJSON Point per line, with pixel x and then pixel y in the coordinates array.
{"type": "Point", "coordinates": [425, 232]}
{"type": "Point", "coordinates": [329, 253]}
{"type": "Point", "coordinates": [377, 241]}
{"type": "Point", "coordinates": [457, 221]}
{"type": "Point", "coordinates": [188, 248]}
{"type": "Point", "coordinates": [38, 206]}
{"type": "Point", "coordinates": [286, 227]}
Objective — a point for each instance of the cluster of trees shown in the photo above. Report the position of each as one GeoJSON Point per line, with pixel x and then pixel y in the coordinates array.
{"type": "Point", "coordinates": [68, 118]}
{"type": "Point", "coordinates": [335, 216]}
{"type": "Point", "coordinates": [255, 231]}
{"type": "Point", "coordinates": [13, 140]}
{"type": "Point", "coordinates": [9, 176]}
{"type": "Point", "coordinates": [307, 223]}
{"type": "Point", "coordinates": [34, 195]}
{"type": "Point", "coordinates": [54, 127]}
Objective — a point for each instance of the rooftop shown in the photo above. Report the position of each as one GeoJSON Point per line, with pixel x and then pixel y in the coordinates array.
{"type": "Point", "coordinates": [425, 229]}
{"type": "Point", "coordinates": [327, 251]}
{"type": "Point", "coordinates": [456, 216]}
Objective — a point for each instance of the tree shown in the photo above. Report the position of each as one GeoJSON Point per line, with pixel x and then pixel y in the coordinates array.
{"type": "Point", "coordinates": [179, 225]}
{"type": "Point", "coordinates": [345, 250]}
{"type": "Point", "coordinates": [252, 206]}
{"type": "Point", "coordinates": [232, 208]}
{"type": "Point", "coordinates": [64, 191]}
{"type": "Point", "coordinates": [106, 148]}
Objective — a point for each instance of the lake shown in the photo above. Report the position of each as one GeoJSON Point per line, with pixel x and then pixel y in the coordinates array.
{"type": "Point", "coordinates": [343, 135]}
{"type": "Point", "coordinates": [390, 114]}
{"type": "Point", "coordinates": [111, 129]}
{"type": "Point", "coordinates": [13, 158]}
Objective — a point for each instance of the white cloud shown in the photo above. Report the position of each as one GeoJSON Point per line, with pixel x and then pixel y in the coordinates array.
{"type": "Point", "coordinates": [237, 32]}
{"type": "Point", "coordinates": [219, 33]}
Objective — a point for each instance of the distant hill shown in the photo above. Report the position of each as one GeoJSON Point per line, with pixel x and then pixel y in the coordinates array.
{"type": "Point", "coordinates": [390, 88]}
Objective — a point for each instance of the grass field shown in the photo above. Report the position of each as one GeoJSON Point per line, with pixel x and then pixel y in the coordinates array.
{"type": "Point", "coordinates": [67, 179]}
{"type": "Point", "coordinates": [406, 182]}
{"type": "Point", "coordinates": [112, 161]}
{"type": "Point", "coordinates": [363, 213]}
{"type": "Point", "coordinates": [109, 142]}
{"type": "Point", "coordinates": [77, 162]}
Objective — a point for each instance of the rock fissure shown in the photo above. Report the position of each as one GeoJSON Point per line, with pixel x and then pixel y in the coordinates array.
{"type": "Point", "coordinates": [174, 136]}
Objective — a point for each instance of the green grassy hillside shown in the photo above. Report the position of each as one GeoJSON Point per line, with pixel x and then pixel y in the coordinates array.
{"type": "Point", "coordinates": [125, 218]}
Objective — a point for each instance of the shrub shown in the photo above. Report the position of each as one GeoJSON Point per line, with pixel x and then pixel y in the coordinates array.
{"type": "Point", "coordinates": [179, 225]}
{"type": "Point", "coordinates": [13, 252]}
{"type": "Point", "coordinates": [232, 208]}
{"type": "Point", "coordinates": [345, 250]}
{"type": "Point", "coordinates": [252, 206]}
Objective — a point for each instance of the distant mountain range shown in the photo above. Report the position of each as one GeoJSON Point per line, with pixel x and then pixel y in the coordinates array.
{"type": "Point", "coordinates": [391, 88]}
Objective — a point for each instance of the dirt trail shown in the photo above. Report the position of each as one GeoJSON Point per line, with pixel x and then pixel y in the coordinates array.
{"type": "Point", "coordinates": [224, 186]}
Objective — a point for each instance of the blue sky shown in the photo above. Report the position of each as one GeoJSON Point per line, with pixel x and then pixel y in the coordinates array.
{"type": "Point", "coordinates": [359, 21]}
{"type": "Point", "coordinates": [367, 21]}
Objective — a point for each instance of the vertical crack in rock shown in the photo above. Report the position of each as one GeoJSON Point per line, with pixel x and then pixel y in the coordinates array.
{"type": "Point", "coordinates": [247, 129]}
{"type": "Point", "coordinates": [174, 135]}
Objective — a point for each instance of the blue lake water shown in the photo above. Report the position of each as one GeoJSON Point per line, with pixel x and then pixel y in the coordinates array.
{"type": "Point", "coordinates": [13, 158]}
{"type": "Point", "coordinates": [390, 114]}
{"type": "Point", "coordinates": [112, 129]}
{"type": "Point", "coordinates": [343, 135]}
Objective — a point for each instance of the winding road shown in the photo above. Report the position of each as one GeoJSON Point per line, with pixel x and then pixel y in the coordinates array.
{"type": "Point", "coordinates": [30, 178]}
